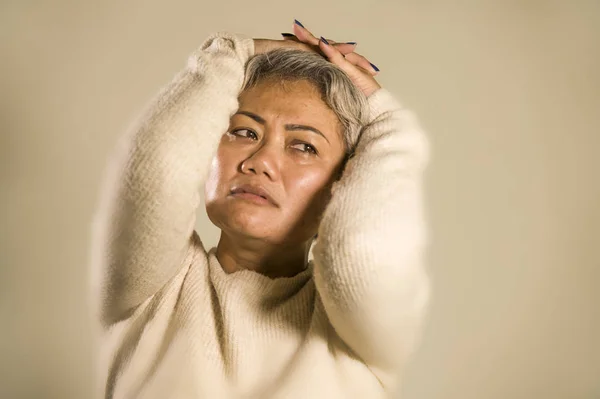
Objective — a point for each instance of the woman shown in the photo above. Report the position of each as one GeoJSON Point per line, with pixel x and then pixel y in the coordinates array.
{"type": "Point", "coordinates": [269, 125]}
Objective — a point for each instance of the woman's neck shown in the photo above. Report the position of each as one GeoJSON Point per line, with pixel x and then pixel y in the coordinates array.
{"type": "Point", "coordinates": [240, 253]}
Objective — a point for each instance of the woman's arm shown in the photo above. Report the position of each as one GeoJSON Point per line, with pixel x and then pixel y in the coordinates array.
{"type": "Point", "coordinates": [143, 226]}
{"type": "Point", "coordinates": [369, 257]}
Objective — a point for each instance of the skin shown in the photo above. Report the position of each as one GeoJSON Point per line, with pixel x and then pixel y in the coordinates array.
{"type": "Point", "coordinates": [296, 167]}
{"type": "Point", "coordinates": [274, 239]}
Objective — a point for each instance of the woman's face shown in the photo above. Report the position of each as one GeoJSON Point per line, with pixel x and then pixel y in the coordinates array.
{"type": "Point", "coordinates": [273, 170]}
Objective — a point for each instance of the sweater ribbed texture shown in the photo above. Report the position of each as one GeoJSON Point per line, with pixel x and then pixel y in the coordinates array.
{"type": "Point", "coordinates": [175, 325]}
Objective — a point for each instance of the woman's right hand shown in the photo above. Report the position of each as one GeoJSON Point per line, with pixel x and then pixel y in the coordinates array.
{"type": "Point", "coordinates": [357, 67]}
{"type": "Point", "coordinates": [265, 45]}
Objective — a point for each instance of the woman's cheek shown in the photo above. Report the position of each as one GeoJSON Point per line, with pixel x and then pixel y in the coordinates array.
{"type": "Point", "coordinates": [228, 138]}
{"type": "Point", "coordinates": [308, 183]}
{"type": "Point", "coordinates": [228, 152]}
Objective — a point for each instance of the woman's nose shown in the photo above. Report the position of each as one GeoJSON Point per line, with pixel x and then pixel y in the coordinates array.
{"type": "Point", "coordinates": [263, 160]}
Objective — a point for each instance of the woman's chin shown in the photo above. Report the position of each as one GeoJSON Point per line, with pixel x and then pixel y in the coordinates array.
{"type": "Point", "coordinates": [251, 224]}
{"type": "Point", "coordinates": [245, 220]}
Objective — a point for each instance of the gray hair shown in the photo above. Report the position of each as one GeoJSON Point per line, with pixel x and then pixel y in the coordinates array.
{"type": "Point", "coordinates": [340, 94]}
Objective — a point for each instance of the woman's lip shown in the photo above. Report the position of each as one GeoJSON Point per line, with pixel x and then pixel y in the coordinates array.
{"type": "Point", "coordinates": [254, 189]}
{"type": "Point", "coordinates": [252, 198]}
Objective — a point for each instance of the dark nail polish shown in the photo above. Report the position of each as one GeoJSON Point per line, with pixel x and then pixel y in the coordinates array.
{"type": "Point", "coordinates": [324, 40]}
{"type": "Point", "coordinates": [374, 67]}
{"type": "Point", "coordinates": [298, 22]}
{"type": "Point", "coordinates": [288, 35]}
{"type": "Point", "coordinates": [350, 42]}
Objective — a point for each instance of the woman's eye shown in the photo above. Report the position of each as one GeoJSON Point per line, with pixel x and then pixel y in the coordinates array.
{"type": "Point", "coordinates": [304, 147]}
{"type": "Point", "coordinates": [245, 133]}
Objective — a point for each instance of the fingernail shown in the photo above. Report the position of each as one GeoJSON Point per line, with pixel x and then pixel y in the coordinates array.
{"type": "Point", "coordinates": [324, 40]}
{"type": "Point", "coordinates": [374, 67]}
{"type": "Point", "coordinates": [298, 22]}
{"type": "Point", "coordinates": [350, 42]}
{"type": "Point", "coordinates": [288, 35]}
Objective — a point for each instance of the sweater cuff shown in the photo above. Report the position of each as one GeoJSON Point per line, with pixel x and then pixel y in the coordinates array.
{"type": "Point", "coordinates": [381, 101]}
{"type": "Point", "coordinates": [242, 43]}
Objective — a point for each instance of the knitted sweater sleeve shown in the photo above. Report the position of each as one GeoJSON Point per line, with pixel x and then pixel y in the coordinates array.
{"type": "Point", "coordinates": [369, 257]}
{"type": "Point", "coordinates": [144, 223]}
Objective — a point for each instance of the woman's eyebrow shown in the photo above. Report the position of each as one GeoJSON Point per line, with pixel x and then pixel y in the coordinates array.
{"type": "Point", "coordinates": [289, 126]}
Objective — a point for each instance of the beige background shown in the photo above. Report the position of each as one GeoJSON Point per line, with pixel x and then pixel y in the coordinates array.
{"type": "Point", "coordinates": [509, 92]}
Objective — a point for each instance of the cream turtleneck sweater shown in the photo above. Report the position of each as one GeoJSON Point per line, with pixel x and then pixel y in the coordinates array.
{"type": "Point", "coordinates": [175, 325]}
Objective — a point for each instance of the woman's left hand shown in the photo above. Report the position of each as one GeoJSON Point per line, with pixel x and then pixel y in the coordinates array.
{"type": "Point", "coordinates": [357, 67]}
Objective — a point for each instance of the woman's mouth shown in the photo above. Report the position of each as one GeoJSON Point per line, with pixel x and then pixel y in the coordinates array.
{"type": "Point", "coordinates": [252, 198]}
{"type": "Point", "coordinates": [252, 193]}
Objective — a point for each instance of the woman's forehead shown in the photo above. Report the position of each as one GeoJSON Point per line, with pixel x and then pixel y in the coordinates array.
{"type": "Point", "coordinates": [296, 100]}
{"type": "Point", "coordinates": [282, 88]}
{"type": "Point", "coordinates": [291, 102]}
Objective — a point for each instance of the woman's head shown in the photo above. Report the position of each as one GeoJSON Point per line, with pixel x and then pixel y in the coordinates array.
{"type": "Point", "coordinates": [298, 121]}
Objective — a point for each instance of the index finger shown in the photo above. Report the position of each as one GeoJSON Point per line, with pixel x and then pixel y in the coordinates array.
{"type": "Point", "coordinates": [344, 48]}
{"type": "Point", "coordinates": [305, 35]}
